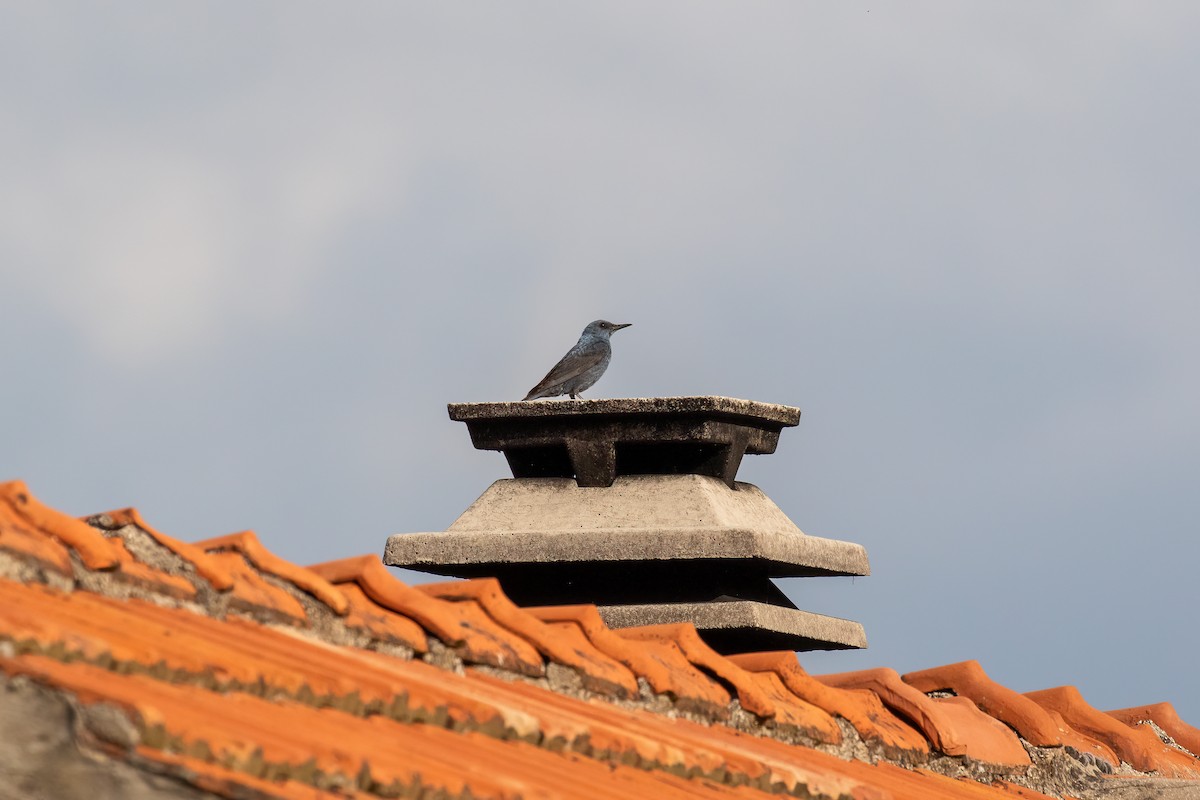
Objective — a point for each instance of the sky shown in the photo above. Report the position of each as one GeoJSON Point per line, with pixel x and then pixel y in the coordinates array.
{"type": "Point", "coordinates": [248, 252]}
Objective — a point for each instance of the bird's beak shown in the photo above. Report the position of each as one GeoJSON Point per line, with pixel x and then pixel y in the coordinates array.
{"type": "Point", "coordinates": [621, 325]}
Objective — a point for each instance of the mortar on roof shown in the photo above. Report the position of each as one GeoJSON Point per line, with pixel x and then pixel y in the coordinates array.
{"type": "Point", "coordinates": [633, 505]}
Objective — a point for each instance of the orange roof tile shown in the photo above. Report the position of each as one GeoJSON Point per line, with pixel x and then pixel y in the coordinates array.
{"type": "Point", "coordinates": [968, 679]}
{"type": "Point", "coordinates": [94, 550]}
{"type": "Point", "coordinates": [206, 567]}
{"type": "Point", "coordinates": [380, 623]}
{"type": "Point", "coordinates": [17, 536]}
{"type": "Point", "coordinates": [465, 627]}
{"type": "Point", "coordinates": [1164, 716]}
{"type": "Point", "coordinates": [288, 701]}
{"type": "Point", "coordinates": [664, 667]}
{"type": "Point", "coordinates": [954, 726]}
{"type": "Point", "coordinates": [764, 695]}
{"type": "Point", "coordinates": [246, 543]}
{"type": "Point", "coordinates": [599, 672]}
{"type": "Point", "coordinates": [1138, 746]}
{"type": "Point", "coordinates": [861, 708]}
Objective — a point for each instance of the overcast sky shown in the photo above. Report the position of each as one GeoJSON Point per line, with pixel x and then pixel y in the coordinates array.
{"type": "Point", "coordinates": [249, 252]}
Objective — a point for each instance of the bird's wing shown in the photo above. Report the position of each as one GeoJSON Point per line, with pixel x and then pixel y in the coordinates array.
{"type": "Point", "coordinates": [577, 361]}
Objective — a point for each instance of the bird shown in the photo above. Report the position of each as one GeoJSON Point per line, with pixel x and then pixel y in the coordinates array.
{"type": "Point", "coordinates": [582, 365]}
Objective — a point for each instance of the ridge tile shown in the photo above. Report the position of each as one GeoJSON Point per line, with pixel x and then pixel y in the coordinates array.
{"type": "Point", "coordinates": [247, 544]}
{"type": "Point", "coordinates": [462, 626]}
{"type": "Point", "coordinates": [954, 728]}
{"type": "Point", "coordinates": [861, 708]}
{"type": "Point", "coordinates": [95, 551]}
{"type": "Point", "coordinates": [599, 672]}
{"type": "Point", "coordinates": [205, 566]}
{"type": "Point", "coordinates": [664, 667]}
{"type": "Point", "coordinates": [1137, 746]}
{"type": "Point", "coordinates": [19, 537]}
{"type": "Point", "coordinates": [968, 679]}
{"type": "Point", "coordinates": [1164, 716]}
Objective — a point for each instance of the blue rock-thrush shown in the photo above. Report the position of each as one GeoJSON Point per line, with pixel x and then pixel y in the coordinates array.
{"type": "Point", "coordinates": [582, 365]}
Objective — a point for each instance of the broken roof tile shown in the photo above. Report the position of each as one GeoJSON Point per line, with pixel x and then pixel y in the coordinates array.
{"type": "Point", "coordinates": [968, 679]}
{"type": "Point", "coordinates": [953, 728]}
{"type": "Point", "coordinates": [599, 672]}
{"type": "Point", "coordinates": [1137, 746]}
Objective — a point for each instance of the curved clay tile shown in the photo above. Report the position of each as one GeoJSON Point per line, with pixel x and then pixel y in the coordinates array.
{"type": "Point", "coordinates": [968, 679]}
{"type": "Point", "coordinates": [952, 728]}
{"type": "Point", "coordinates": [131, 571]}
{"type": "Point", "coordinates": [861, 708]}
{"type": "Point", "coordinates": [664, 668]}
{"type": "Point", "coordinates": [1164, 716]}
{"type": "Point", "coordinates": [459, 625]}
{"type": "Point", "coordinates": [205, 567]}
{"type": "Point", "coordinates": [686, 640]}
{"type": "Point", "coordinates": [249, 546]}
{"type": "Point", "coordinates": [20, 538]}
{"type": "Point", "coordinates": [254, 594]}
{"type": "Point", "coordinates": [380, 623]}
{"type": "Point", "coordinates": [1139, 747]}
{"type": "Point", "coordinates": [1082, 743]}
{"type": "Point", "coordinates": [598, 671]}
{"type": "Point", "coordinates": [95, 551]}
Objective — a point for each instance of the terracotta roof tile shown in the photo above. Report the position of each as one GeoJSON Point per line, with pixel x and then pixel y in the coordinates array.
{"type": "Point", "coordinates": [18, 536]}
{"type": "Point", "coordinates": [93, 548]}
{"type": "Point", "coordinates": [253, 594]}
{"type": "Point", "coordinates": [599, 672]}
{"type": "Point", "coordinates": [247, 543]}
{"type": "Point", "coordinates": [207, 568]}
{"type": "Point", "coordinates": [240, 708]}
{"type": "Point", "coordinates": [463, 626]}
{"type": "Point", "coordinates": [1164, 716]}
{"type": "Point", "coordinates": [130, 570]}
{"type": "Point", "coordinates": [380, 623]}
{"type": "Point", "coordinates": [684, 638]}
{"type": "Point", "coordinates": [955, 725]}
{"type": "Point", "coordinates": [968, 679]}
{"type": "Point", "coordinates": [218, 780]}
{"type": "Point", "coordinates": [861, 708]}
{"type": "Point", "coordinates": [764, 695]}
{"type": "Point", "coordinates": [1083, 743]}
{"type": "Point", "coordinates": [1139, 746]}
{"type": "Point", "coordinates": [664, 667]}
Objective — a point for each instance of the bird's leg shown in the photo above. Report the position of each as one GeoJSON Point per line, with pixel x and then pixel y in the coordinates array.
{"type": "Point", "coordinates": [573, 396]}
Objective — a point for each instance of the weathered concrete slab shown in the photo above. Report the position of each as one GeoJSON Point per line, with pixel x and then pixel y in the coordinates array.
{"type": "Point", "coordinates": [594, 441]}
{"type": "Point", "coordinates": [745, 626]}
{"type": "Point", "coordinates": [640, 518]}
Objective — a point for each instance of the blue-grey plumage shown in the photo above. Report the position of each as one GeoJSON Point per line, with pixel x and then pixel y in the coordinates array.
{"type": "Point", "coordinates": [582, 365]}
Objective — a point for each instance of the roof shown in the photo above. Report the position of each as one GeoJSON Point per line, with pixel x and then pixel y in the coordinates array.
{"type": "Point", "coordinates": [218, 668]}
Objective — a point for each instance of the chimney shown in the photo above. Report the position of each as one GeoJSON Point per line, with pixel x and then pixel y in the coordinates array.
{"type": "Point", "coordinates": [633, 505]}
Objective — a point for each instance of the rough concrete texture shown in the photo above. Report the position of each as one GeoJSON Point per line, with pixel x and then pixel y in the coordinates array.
{"type": "Point", "coordinates": [741, 625]}
{"type": "Point", "coordinates": [638, 518]}
{"type": "Point", "coordinates": [594, 441]}
{"type": "Point", "coordinates": [706, 404]}
{"type": "Point", "coordinates": [41, 758]}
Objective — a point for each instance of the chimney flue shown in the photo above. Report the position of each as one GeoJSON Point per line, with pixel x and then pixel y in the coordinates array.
{"type": "Point", "coordinates": [633, 505]}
